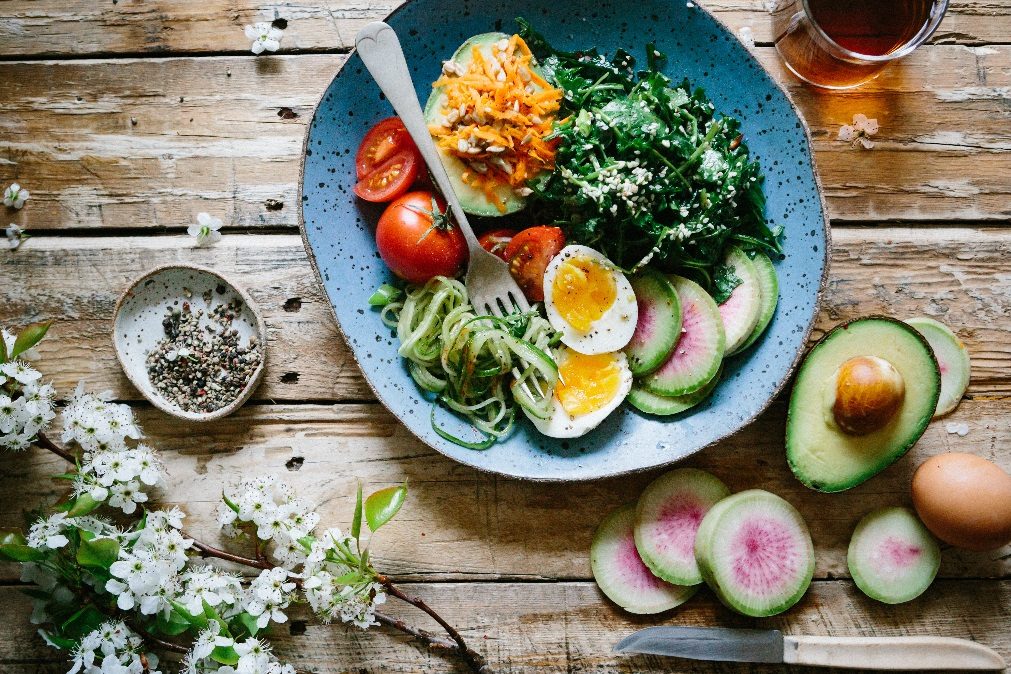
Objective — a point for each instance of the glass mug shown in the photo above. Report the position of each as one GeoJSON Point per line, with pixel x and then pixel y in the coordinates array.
{"type": "Point", "coordinates": [840, 44]}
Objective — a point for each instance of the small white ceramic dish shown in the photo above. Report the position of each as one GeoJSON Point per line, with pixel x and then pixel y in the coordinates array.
{"type": "Point", "coordinates": [137, 327]}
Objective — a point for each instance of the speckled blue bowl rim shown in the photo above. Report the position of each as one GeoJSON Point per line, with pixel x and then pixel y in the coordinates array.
{"type": "Point", "coordinates": [467, 456]}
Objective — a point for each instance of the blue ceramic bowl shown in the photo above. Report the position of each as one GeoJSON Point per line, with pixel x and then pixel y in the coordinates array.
{"type": "Point", "coordinates": [338, 230]}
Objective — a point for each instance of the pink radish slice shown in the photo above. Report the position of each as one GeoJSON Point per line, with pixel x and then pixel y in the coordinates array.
{"type": "Point", "coordinates": [754, 550]}
{"type": "Point", "coordinates": [659, 324]}
{"type": "Point", "coordinates": [740, 312]}
{"type": "Point", "coordinates": [698, 353]}
{"type": "Point", "coordinates": [668, 515]}
{"type": "Point", "coordinates": [952, 360]}
{"type": "Point", "coordinates": [621, 574]}
{"type": "Point", "coordinates": [892, 557]}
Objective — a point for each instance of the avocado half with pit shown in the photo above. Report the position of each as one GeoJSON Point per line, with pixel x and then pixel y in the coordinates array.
{"type": "Point", "coordinates": [863, 396]}
{"type": "Point", "coordinates": [472, 200]}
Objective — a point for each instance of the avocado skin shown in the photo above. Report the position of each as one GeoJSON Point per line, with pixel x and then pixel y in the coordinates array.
{"type": "Point", "coordinates": [797, 435]}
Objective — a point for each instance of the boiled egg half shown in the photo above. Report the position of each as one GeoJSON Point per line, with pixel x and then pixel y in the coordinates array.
{"type": "Point", "coordinates": [589, 388]}
{"type": "Point", "coordinates": [589, 301]}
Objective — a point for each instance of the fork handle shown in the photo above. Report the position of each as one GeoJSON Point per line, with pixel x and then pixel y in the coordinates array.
{"type": "Point", "coordinates": [380, 51]}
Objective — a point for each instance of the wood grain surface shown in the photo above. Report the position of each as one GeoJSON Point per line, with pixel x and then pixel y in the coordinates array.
{"type": "Point", "coordinates": [154, 27]}
{"type": "Point", "coordinates": [127, 117]}
{"type": "Point", "coordinates": [133, 143]}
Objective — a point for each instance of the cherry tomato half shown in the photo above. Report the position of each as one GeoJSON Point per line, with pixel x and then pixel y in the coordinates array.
{"type": "Point", "coordinates": [417, 240]}
{"type": "Point", "coordinates": [380, 143]}
{"type": "Point", "coordinates": [390, 179]}
{"type": "Point", "coordinates": [528, 255]}
{"type": "Point", "coordinates": [496, 240]}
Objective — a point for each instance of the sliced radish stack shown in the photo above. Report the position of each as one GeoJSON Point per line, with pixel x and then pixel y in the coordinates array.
{"type": "Point", "coordinates": [892, 557]}
{"type": "Point", "coordinates": [620, 572]}
{"type": "Point", "coordinates": [659, 323]}
{"type": "Point", "coordinates": [667, 517]}
{"type": "Point", "coordinates": [755, 552]}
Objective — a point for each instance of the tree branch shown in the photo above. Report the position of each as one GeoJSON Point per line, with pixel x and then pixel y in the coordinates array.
{"type": "Point", "coordinates": [45, 443]}
{"type": "Point", "coordinates": [209, 551]}
{"type": "Point", "coordinates": [474, 660]}
{"type": "Point", "coordinates": [433, 641]}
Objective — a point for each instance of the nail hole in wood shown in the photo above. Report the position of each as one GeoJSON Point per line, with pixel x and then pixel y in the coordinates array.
{"type": "Point", "coordinates": [293, 304]}
{"type": "Point", "coordinates": [294, 463]}
{"type": "Point", "coordinates": [289, 378]}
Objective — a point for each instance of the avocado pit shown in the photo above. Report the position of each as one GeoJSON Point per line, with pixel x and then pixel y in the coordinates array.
{"type": "Point", "coordinates": [867, 391]}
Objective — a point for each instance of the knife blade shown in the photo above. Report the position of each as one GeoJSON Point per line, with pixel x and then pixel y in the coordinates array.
{"type": "Point", "coordinates": [916, 653]}
{"type": "Point", "coordinates": [720, 644]}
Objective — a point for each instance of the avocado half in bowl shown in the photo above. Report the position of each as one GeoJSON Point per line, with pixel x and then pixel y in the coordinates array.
{"type": "Point", "coordinates": [863, 396]}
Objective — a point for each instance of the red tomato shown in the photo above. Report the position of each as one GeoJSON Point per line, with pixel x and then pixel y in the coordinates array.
{"type": "Point", "coordinates": [390, 179]}
{"type": "Point", "coordinates": [380, 143]}
{"type": "Point", "coordinates": [496, 240]}
{"type": "Point", "coordinates": [416, 246]}
{"type": "Point", "coordinates": [528, 255]}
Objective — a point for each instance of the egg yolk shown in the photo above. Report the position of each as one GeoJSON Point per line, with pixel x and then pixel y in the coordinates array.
{"type": "Point", "coordinates": [582, 291]}
{"type": "Point", "coordinates": [587, 383]}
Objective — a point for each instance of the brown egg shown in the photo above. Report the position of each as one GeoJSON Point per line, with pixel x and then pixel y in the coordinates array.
{"type": "Point", "coordinates": [964, 500]}
{"type": "Point", "coordinates": [868, 393]}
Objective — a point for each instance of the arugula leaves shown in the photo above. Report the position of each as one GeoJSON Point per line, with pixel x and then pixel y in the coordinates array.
{"type": "Point", "coordinates": [645, 169]}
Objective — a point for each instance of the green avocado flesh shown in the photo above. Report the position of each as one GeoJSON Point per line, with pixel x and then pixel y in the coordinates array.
{"type": "Point", "coordinates": [472, 200]}
{"type": "Point", "coordinates": [820, 454]}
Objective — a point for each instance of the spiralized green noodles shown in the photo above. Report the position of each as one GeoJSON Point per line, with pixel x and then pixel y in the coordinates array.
{"type": "Point", "coordinates": [478, 366]}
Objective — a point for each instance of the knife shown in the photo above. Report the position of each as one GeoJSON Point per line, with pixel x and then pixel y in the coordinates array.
{"type": "Point", "coordinates": [750, 645]}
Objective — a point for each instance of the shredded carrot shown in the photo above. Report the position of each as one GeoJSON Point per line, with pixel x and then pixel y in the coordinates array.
{"type": "Point", "coordinates": [495, 118]}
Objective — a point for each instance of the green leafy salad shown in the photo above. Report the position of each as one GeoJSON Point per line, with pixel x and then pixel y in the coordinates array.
{"type": "Point", "coordinates": [645, 171]}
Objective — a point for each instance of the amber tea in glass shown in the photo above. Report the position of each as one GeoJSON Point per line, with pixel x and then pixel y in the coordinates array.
{"type": "Point", "coordinates": [839, 44]}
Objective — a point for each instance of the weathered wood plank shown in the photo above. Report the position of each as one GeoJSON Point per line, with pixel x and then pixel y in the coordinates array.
{"type": "Point", "coordinates": [460, 523]}
{"type": "Point", "coordinates": [940, 272]}
{"type": "Point", "coordinates": [68, 27]}
{"type": "Point", "coordinates": [128, 143]}
{"type": "Point", "coordinates": [569, 627]}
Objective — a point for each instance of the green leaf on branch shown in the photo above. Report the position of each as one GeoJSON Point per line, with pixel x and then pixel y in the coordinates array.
{"type": "Point", "coordinates": [249, 622]}
{"type": "Point", "coordinates": [83, 621]}
{"type": "Point", "coordinates": [58, 641]}
{"type": "Point", "coordinates": [225, 655]}
{"type": "Point", "coordinates": [29, 337]}
{"type": "Point", "coordinates": [3, 350]}
{"type": "Point", "coordinates": [364, 561]}
{"type": "Point", "coordinates": [14, 548]}
{"type": "Point", "coordinates": [199, 621]}
{"type": "Point", "coordinates": [356, 522]}
{"type": "Point", "coordinates": [83, 505]}
{"type": "Point", "coordinates": [99, 553]}
{"type": "Point", "coordinates": [383, 505]}
{"type": "Point", "coordinates": [174, 625]}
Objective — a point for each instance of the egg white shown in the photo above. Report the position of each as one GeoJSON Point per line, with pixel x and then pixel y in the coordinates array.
{"type": "Point", "coordinates": [610, 332]}
{"type": "Point", "coordinates": [561, 424]}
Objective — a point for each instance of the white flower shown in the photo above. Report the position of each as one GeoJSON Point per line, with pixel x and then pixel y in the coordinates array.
{"type": "Point", "coordinates": [328, 592]}
{"type": "Point", "coordinates": [206, 230]}
{"type": "Point", "coordinates": [15, 236]}
{"type": "Point", "coordinates": [211, 585]}
{"type": "Point", "coordinates": [48, 533]}
{"type": "Point", "coordinates": [264, 36]}
{"type": "Point", "coordinates": [860, 131]}
{"type": "Point", "coordinates": [268, 594]}
{"type": "Point", "coordinates": [126, 496]}
{"type": "Point", "coordinates": [15, 196]}
{"type": "Point", "coordinates": [20, 371]}
{"type": "Point", "coordinates": [118, 650]}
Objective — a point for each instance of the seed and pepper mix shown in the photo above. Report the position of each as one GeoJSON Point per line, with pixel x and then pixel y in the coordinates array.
{"type": "Point", "coordinates": [202, 368]}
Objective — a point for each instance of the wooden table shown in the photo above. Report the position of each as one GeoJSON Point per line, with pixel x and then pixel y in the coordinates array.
{"type": "Point", "coordinates": [124, 119]}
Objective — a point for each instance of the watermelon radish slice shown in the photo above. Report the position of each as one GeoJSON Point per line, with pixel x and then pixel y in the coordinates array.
{"type": "Point", "coordinates": [659, 324]}
{"type": "Point", "coordinates": [667, 516]}
{"type": "Point", "coordinates": [892, 557]}
{"type": "Point", "coordinates": [755, 552]}
{"type": "Point", "coordinates": [665, 406]}
{"type": "Point", "coordinates": [699, 351]}
{"type": "Point", "coordinates": [768, 282]}
{"type": "Point", "coordinates": [620, 572]}
{"type": "Point", "coordinates": [740, 311]}
{"type": "Point", "coordinates": [952, 360]}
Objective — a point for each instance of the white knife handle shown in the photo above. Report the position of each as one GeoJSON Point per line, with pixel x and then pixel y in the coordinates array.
{"type": "Point", "coordinates": [890, 653]}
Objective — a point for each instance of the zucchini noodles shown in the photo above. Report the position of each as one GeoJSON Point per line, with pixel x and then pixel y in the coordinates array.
{"type": "Point", "coordinates": [478, 366]}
